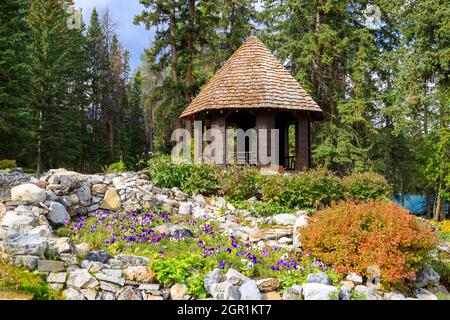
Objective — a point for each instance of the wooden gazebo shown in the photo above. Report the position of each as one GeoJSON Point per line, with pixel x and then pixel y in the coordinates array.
{"type": "Point", "coordinates": [254, 91]}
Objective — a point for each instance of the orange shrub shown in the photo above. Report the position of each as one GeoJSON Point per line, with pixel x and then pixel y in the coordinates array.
{"type": "Point", "coordinates": [353, 236]}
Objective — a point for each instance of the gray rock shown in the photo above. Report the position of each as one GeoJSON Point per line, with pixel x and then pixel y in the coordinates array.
{"type": "Point", "coordinates": [81, 279]}
{"type": "Point", "coordinates": [128, 293]}
{"type": "Point", "coordinates": [44, 231]}
{"type": "Point", "coordinates": [293, 293]}
{"type": "Point", "coordinates": [185, 208]}
{"type": "Point", "coordinates": [25, 261]}
{"type": "Point", "coordinates": [426, 277]}
{"type": "Point", "coordinates": [321, 277]}
{"type": "Point", "coordinates": [268, 285]}
{"type": "Point", "coordinates": [110, 278]}
{"type": "Point", "coordinates": [179, 291]}
{"type": "Point", "coordinates": [56, 286]}
{"type": "Point", "coordinates": [225, 291]}
{"type": "Point", "coordinates": [105, 295]}
{"type": "Point", "coordinates": [58, 213]}
{"type": "Point", "coordinates": [82, 249]}
{"type": "Point", "coordinates": [28, 193]}
{"type": "Point", "coordinates": [249, 291]}
{"type": "Point", "coordinates": [149, 287]}
{"type": "Point", "coordinates": [99, 256]}
{"type": "Point", "coordinates": [72, 294]}
{"type": "Point", "coordinates": [394, 295]}
{"type": "Point", "coordinates": [27, 245]}
{"type": "Point", "coordinates": [355, 278]}
{"type": "Point", "coordinates": [319, 291]}
{"type": "Point", "coordinates": [211, 278]}
{"type": "Point", "coordinates": [235, 277]}
{"type": "Point", "coordinates": [110, 287]}
{"type": "Point", "coordinates": [368, 293]}
{"type": "Point", "coordinates": [130, 260]}
{"type": "Point", "coordinates": [345, 293]}
{"type": "Point", "coordinates": [11, 219]}
{"type": "Point", "coordinates": [284, 219]}
{"type": "Point", "coordinates": [50, 266]}
{"type": "Point", "coordinates": [423, 294]}
{"type": "Point", "coordinates": [57, 277]}
{"type": "Point", "coordinates": [89, 294]}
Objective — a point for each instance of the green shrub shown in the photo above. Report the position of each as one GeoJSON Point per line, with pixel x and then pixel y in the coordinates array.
{"type": "Point", "coordinates": [201, 180]}
{"type": "Point", "coordinates": [167, 174]}
{"type": "Point", "coordinates": [7, 164]}
{"type": "Point", "coordinates": [238, 182]}
{"type": "Point", "coordinates": [366, 186]}
{"type": "Point", "coordinates": [116, 167]}
{"type": "Point", "coordinates": [308, 189]}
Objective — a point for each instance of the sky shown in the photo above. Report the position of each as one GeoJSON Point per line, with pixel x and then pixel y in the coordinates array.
{"type": "Point", "coordinates": [133, 38]}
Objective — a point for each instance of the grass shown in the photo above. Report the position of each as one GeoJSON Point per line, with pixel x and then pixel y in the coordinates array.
{"type": "Point", "coordinates": [19, 281]}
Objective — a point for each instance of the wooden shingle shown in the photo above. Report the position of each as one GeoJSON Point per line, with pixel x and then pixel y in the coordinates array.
{"type": "Point", "coordinates": [253, 78]}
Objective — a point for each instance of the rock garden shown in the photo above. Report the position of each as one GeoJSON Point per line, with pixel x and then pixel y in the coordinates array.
{"type": "Point", "coordinates": [186, 232]}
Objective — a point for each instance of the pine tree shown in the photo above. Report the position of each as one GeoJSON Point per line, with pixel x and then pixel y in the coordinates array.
{"type": "Point", "coordinates": [16, 125]}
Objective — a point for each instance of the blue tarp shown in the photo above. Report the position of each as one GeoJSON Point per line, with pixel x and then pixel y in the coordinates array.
{"type": "Point", "coordinates": [415, 203]}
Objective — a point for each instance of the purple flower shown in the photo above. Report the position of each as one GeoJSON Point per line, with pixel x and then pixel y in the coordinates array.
{"type": "Point", "coordinates": [222, 264]}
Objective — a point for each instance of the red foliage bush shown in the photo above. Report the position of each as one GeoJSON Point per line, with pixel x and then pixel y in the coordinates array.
{"type": "Point", "coordinates": [353, 236]}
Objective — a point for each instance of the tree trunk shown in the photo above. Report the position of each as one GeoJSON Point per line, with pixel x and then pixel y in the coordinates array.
{"type": "Point", "coordinates": [40, 167]}
{"type": "Point", "coordinates": [428, 212]}
{"type": "Point", "coordinates": [190, 44]}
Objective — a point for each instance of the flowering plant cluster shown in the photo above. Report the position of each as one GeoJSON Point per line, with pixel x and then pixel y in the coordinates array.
{"type": "Point", "coordinates": [167, 238]}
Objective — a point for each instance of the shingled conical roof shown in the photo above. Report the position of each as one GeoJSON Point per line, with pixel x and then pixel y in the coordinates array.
{"type": "Point", "coordinates": [253, 78]}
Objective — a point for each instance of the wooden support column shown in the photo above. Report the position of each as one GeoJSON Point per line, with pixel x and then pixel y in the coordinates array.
{"type": "Point", "coordinates": [218, 139]}
{"type": "Point", "coordinates": [265, 120]}
{"type": "Point", "coordinates": [302, 158]}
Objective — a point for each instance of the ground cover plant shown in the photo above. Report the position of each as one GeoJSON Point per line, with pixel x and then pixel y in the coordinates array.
{"type": "Point", "coordinates": [21, 280]}
{"type": "Point", "coordinates": [191, 249]}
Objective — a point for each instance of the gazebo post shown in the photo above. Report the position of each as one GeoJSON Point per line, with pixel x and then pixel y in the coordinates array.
{"type": "Point", "coordinates": [301, 142]}
{"type": "Point", "coordinates": [265, 121]}
{"type": "Point", "coordinates": [218, 139]}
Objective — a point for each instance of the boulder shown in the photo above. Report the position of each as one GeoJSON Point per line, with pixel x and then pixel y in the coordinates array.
{"type": "Point", "coordinates": [84, 193]}
{"type": "Point", "coordinates": [185, 208]}
{"type": "Point", "coordinates": [301, 222]}
{"type": "Point", "coordinates": [81, 279]}
{"type": "Point", "coordinates": [179, 292]}
{"type": "Point", "coordinates": [320, 277]}
{"type": "Point", "coordinates": [128, 293]}
{"type": "Point", "coordinates": [267, 285]}
{"type": "Point", "coordinates": [319, 291]}
{"type": "Point", "coordinates": [355, 278]}
{"type": "Point", "coordinates": [82, 249]}
{"type": "Point", "coordinates": [140, 274]}
{"type": "Point", "coordinates": [28, 193]}
{"type": "Point", "coordinates": [225, 291]}
{"type": "Point", "coordinates": [57, 277]}
{"type": "Point", "coordinates": [72, 294]}
{"type": "Point", "coordinates": [345, 293]}
{"type": "Point", "coordinates": [33, 245]}
{"type": "Point", "coordinates": [130, 260]}
{"type": "Point", "coordinates": [273, 295]}
{"type": "Point", "coordinates": [235, 277]}
{"type": "Point", "coordinates": [427, 277]}
{"type": "Point", "coordinates": [423, 294]}
{"type": "Point", "coordinates": [99, 256]}
{"type": "Point", "coordinates": [89, 294]}
{"type": "Point", "coordinates": [367, 293]}
{"type": "Point", "coordinates": [293, 293]}
{"type": "Point", "coordinates": [211, 278]}
{"type": "Point", "coordinates": [12, 218]}
{"type": "Point", "coordinates": [110, 278]}
{"type": "Point", "coordinates": [284, 219]}
{"type": "Point", "coordinates": [57, 213]}
{"type": "Point", "coordinates": [50, 266]}
{"type": "Point", "coordinates": [394, 295]}
{"type": "Point", "coordinates": [111, 201]}
{"type": "Point", "coordinates": [98, 189]}
{"type": "Point", "coordinates": [249, 291]}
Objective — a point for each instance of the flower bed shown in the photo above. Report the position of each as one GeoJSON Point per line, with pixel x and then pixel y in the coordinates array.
{"type": "Point", "coordinates": [184, 249]}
